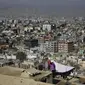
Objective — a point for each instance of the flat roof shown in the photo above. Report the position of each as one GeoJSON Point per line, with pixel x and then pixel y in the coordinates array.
{"type": "Point", "coordinates": [11, 71]}
{"type": "Point", "coordinates": [11, 80]}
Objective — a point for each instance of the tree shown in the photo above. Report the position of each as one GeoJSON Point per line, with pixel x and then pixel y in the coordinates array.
{"type": "Point", "coordinates": [21, 56]}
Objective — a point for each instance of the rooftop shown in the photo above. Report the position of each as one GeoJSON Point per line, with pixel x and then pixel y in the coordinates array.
{"type": "Point", "coordinates": [25, 73]}
{"type": "Point", "coordinates": [11, 80]}
{"type": "Point", "coordinates": [11, 71]}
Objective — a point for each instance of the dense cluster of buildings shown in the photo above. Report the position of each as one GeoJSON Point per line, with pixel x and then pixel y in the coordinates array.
{"type": "Point", "coordinates": [60, 40]}
{"type": "Point", "coordinates": [35, 33]}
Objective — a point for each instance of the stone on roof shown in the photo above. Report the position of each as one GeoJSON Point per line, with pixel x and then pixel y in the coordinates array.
{"type": "Point", "coordinates": [33, 71]}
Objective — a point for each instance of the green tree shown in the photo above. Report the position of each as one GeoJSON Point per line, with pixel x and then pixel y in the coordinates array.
{"type": "Point", "coordinates": [21, 56]}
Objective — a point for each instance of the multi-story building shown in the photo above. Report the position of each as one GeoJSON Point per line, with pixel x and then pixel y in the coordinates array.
{"type": "Point", "coordinates": [54, 46]}
{"type": "Point", "coordinates": [49, 47]}
{"type": "Point", "coordinates": [65, 46]}
{"type": "Point", "coordinates": [47, 27]}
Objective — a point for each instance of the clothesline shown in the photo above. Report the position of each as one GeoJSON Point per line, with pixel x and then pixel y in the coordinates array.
{"type": "Point", "coordinates": [62, 68]}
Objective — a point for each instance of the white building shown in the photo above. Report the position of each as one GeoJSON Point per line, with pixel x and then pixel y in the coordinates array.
{"type": "Point", "coordinates": [8, 56]}
{"type": "Point", "coordinates": [47, 27]}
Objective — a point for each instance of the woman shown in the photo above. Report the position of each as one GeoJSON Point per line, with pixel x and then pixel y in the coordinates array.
{"type": "Point", "coordinates": [53, 69]}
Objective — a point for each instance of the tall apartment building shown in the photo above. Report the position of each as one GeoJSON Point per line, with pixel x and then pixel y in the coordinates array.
{"type": "Point", "coordinates": [49, 47]}
{"type": "Point", "coordinates": [65, 46]}
{"type": "Point", "coordinates": [57, 46]}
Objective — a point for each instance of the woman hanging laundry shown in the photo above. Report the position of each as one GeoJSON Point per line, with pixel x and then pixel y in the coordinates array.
{"type": "Point", "coordinates": [52, 68]}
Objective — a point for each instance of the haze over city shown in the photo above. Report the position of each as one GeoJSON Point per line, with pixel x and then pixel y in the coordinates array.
{"type": "Point", "coordinates": [49, 7]}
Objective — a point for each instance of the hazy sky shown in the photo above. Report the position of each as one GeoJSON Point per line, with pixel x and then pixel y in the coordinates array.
{"type": "Point", "coordinates": [58, 6]}
{"type": "Point", "coordinates": [43, 2]}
